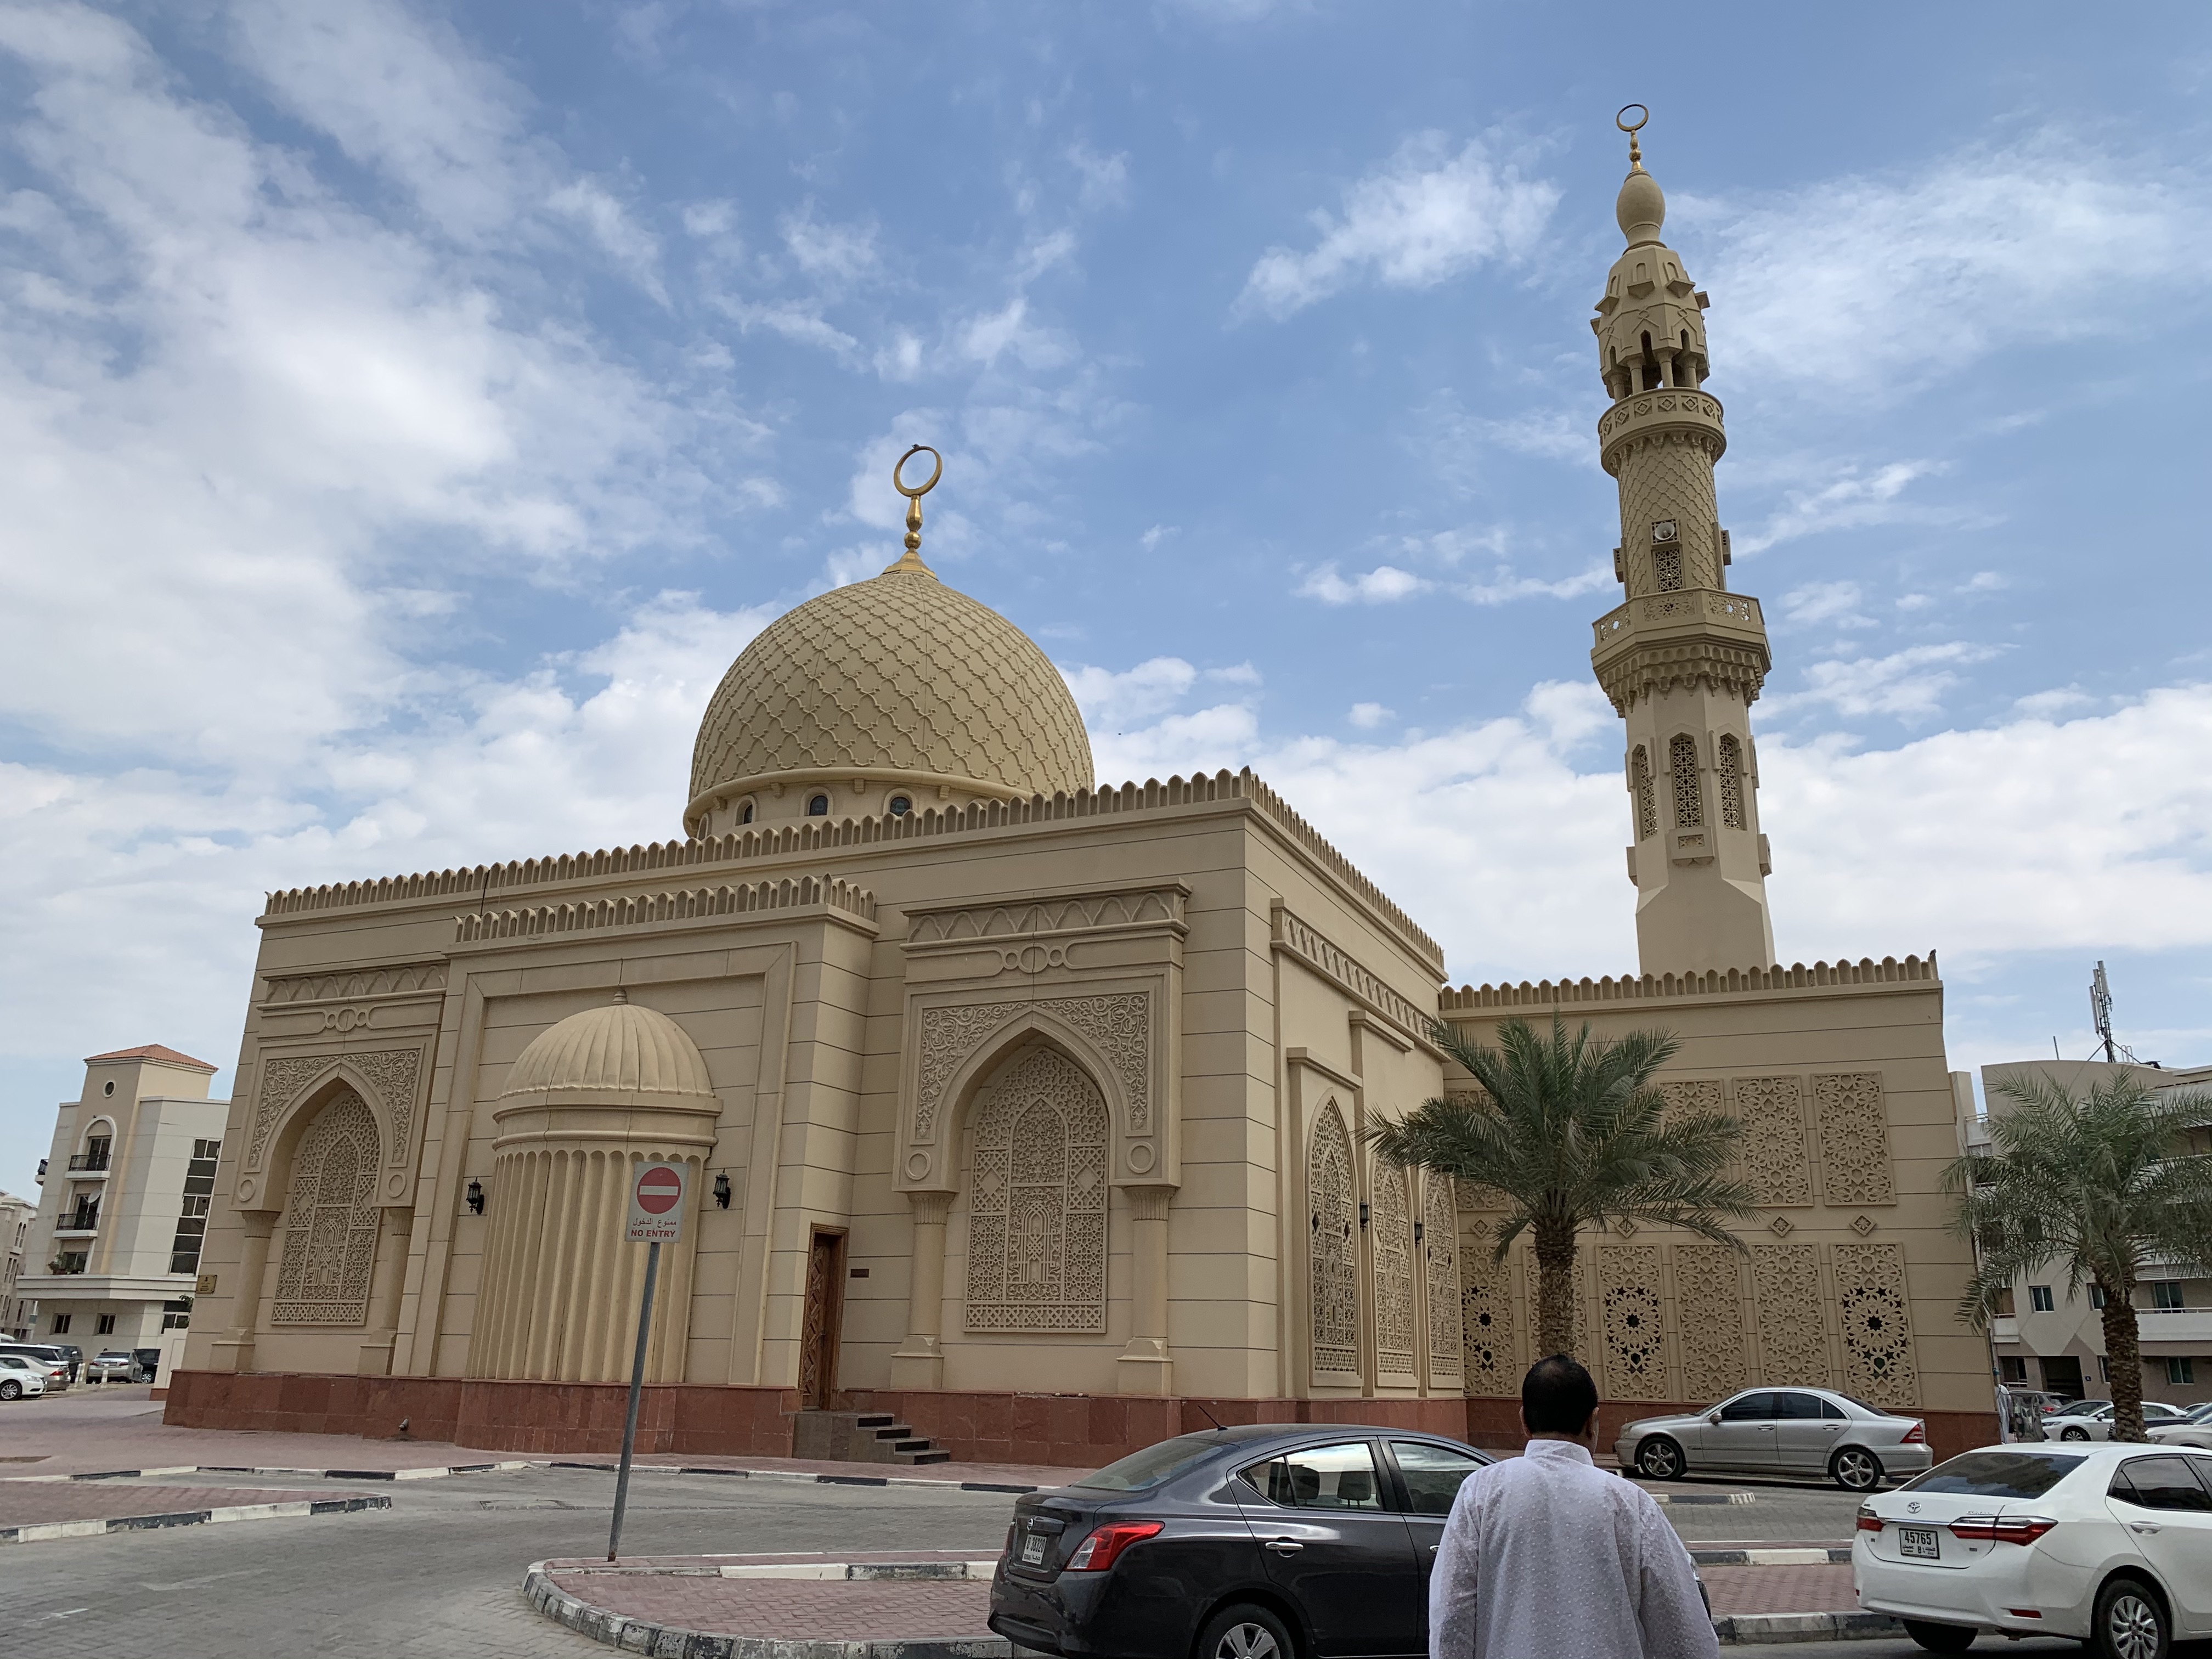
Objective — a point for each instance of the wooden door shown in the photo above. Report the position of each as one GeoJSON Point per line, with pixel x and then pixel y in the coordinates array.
{"type": "Point", "coordinates": [817, 1333]}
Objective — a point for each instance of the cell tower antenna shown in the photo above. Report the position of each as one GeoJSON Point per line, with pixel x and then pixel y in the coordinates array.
{"type": "Point", "coordinates": [2101, 1012]}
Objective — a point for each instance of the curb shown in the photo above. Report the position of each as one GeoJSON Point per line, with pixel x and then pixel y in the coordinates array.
{"type": "Point", "coordinates": [39, 1532]}
{"type": "Point", "coordinates": [1811, 1557]}
{"type": "Point", "coordinates": [313, 1475]}
{"type": "Point", "coordinates": [1747, 1627]}
{"type": "Point", "coordinates": [1703, 1497]}
{"type": "Point", "coordinates": [797, 1475]}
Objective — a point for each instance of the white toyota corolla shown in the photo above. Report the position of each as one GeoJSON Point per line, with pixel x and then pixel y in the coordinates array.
{"type": "Point", "coordinates": [2108, 1544]}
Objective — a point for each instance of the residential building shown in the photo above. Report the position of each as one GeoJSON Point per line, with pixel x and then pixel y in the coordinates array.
{"type": "Point", "coordinates": [115, 1251]}
{"type": "Point", "coordinates": [16, 1215]}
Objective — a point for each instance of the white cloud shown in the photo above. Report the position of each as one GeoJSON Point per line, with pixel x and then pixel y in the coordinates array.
{"type": "Point", "coordinates": [608, 221]}
{"type": "Point", "coordinates": [1503, 586]}
{"type": "Point", "coordinates": [1368, 715]}
{"type": "Point", "coordinates": [1825, 602]}
{"type": "Point", "coordinates": [838, 254]}
{"type": "Point", "coordinates": [1550, 434]}
{"type": "Point", "coordinates": [1380, 585]}
{"type": "Point", "coordinates": [1158, 533]}
{"type": "Point", "coordinates": [1132, 696]}
{"type": "Point", "coordinates": [1105, 178]}
{"type": "Point", "coordinates": [1427, 216]}
{"type": "Point", "coordinates": [1850, 499]}
{"type": "Point", "coordinates": [1876, 284]}
{"type": "Point", "coordinates": [1909, 683]}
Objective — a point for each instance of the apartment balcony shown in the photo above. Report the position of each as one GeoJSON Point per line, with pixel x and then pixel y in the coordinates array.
{"type": "Point", "coordinates": [76, 1226]}
{"type": "Point", "coordinates": [2165, 1324]}
{"type": "Point", "coordinates": [88, 1164]}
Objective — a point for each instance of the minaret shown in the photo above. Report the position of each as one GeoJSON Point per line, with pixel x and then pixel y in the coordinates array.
{"type": "Point", "coordinates": [1684, 658]}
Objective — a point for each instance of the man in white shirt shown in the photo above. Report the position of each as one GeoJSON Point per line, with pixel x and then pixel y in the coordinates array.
{"type": "Point", "coordinates": [1546, 1555]}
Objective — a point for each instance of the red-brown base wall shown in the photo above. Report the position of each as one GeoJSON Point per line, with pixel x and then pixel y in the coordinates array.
{"type": "Point", "coordinates": [1071, 1430]}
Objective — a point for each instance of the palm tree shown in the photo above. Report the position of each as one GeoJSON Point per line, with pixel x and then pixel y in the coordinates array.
{"type": "Point", "coordinates": [2099, 1187]}
{"type": "Point", "coordinates": [1569, 1133]}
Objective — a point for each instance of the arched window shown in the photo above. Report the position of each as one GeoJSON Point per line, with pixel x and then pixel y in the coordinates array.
{"type": "Point", "coordinates": [1037, 1227]}
{"type": "Point", "coordinates": [901, 806]}
{"type": "Point", "coordinates": [1666, 569]}
{"type": "Point", "coordinates": [1731, 770]}
{"type": "Point", "coordinates": [330, 1218]}
{"type": "Point", "coordinates": [1639, 782]}
{"type": "Point", "coordinates": [1392, 1251]}
{"type": "Point", "coordinates": [746, 813]}
{"type": "Point", "coordinates": [1440, 1245]}
{"type": "Point", "coordinates": [1334, 1261]}
{"type": "Point", "coordinates": [1689, 799]}
{"type": "Point", "coordinates": [817, 806]}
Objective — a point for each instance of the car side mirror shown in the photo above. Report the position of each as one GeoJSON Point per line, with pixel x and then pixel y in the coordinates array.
{"type": "Point", "coordinates": [1714, 1418]}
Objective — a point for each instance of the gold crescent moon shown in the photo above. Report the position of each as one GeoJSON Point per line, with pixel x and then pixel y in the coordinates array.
{"type": "Point", "coordinates": [912, 494]}
{"type": "Point", "coordinates": [1636, 125]}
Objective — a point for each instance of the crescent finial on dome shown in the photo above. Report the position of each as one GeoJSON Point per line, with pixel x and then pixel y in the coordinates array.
{"type": "Point", "coordinates": [910, 561]}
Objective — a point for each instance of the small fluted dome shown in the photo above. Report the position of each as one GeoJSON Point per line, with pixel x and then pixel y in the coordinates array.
{"type": "Point", "coordinates": [898, 676]}
{"type": "Point", "coordinates": [617, 1053]}
{"type": "Point", "coordinates": [1641, 208]}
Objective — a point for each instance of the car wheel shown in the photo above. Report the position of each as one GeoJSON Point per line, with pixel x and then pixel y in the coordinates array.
{"type": "Point", "coordinates": [1245, 1632]}
{"type": "Point", "coordinates": [2130, 1623]}
{"type": "Point", "coordinates": [1855, 1469]}
{"type": "Point", "coordinates": [1659, 1459]}
{"type": "Point", "coordinates": [2073, 1434]}
{"type": "Point", "coordinates": [11, 1390]}
{"type": "Point", "coordinates": [1940, 1639]}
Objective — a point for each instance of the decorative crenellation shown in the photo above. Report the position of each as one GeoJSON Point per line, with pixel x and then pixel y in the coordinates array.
{"type": "Point", "coordinates": [822, 835]}
{"type": "Point", "coordinates": [1313, 948]}
{"type": "Point", "coordinates": [1854, 1160]}
{"type": "Point", "coordinates": [1635, 1354]}
{"type": "Point", "coordinates": [1708, 1298]}
{"type": "Point", "coordinates": [413, 976]}
{"type": "Point", "coordinates": [1392, 1254]}
{"type": "Point", "coordinates": [1793, 1340]}
{"type": "Point", "coordinates": [1440, 1262]}
{"type": "Point", "coordinates": [1773, 1139]}
{"type": "Point", "coordinates": [1135, 907]}
{"type": "Point", "coordinates": [1332, 1256]}
{"type": "Point", "coordinates": [330, 1218]}
{"type": "Point", "coordinates": [1470, 999]}
{"type": "Point", "coordinates": [1871, 1295]}
{"type": "Point", "coordinates": [642, 909]}
{"type": "Point", "coordinates": [1119, 1021]}
{"type": "Point", "coordinates": [1036, 1230]}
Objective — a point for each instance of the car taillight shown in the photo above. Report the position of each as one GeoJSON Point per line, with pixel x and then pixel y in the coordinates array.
{"type": "Point", "coordinates": [1916, 1435]}
{"type": "Point", "coordinates": [1098, 1552]}
{"type": "Point", "coordinates": [1868, 1522]}
{"type": "Point", "coordinates": [2003, 1529]}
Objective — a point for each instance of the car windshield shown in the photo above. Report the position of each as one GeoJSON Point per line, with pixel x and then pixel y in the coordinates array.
{"type": "Point", "coordinates": [1156, 1465]}
{"type": "Point", "coordinates": [1998, 1475]}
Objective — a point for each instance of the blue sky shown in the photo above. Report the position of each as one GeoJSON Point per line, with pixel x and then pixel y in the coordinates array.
{"type": "Point", "coordinates": [411, 412]}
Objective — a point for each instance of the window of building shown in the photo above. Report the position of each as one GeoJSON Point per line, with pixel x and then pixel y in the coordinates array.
{"type": "Point", "coordinates": [817, 806]}
{"type": "Point", "coordinates": [901, 806]}
{"type": "Point", "coordinates": [2165, 1295]}
{"type": "Point", "coordinates": [104, 1326]}
{"type": "Point", "coordinates": [1731, 771]}
{"type": "Point", "coordinates": [177, 1315]}
{"type": "Point", "coordinates": [2096, 1296]}
{"type": "Point", "coordinates": [2104, 1369]}
{"type": "Point", "coordinates": [1689, 799]}
{"type": "Point", "coordinates": [60, 1327]}
{"type": "Point", "coordinates": [1639, 782]}
{"type": "Point", "coordinates": [2012, 1368]}
{"type": "Point", "coordinates": [2004, 1310]}
{"type": "Point", "coordinates": [1666, 569]}
{"type": "Point", "coordinates": [2038, 1297]}
{"type": "Point", "coordinates": [192, 1222]}
{"type": "Point", "coordinates": [2181, 1368]}
{"type": "Point", "coordinates": [95, 1155]}
{"type": "Point", "coordinates": [746, 813]}
{"type": "Point", "coordinates": [109, 1087]}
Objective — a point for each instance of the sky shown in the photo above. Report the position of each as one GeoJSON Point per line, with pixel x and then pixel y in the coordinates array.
{"type": "Point", "coordinates": [409, 411]}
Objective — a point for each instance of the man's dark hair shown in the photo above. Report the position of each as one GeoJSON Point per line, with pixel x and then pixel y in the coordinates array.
{"type": "Point", "coordinates": [1557, 1396]}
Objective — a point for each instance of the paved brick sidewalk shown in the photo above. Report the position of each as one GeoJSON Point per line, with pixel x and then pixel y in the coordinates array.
{"type": "Point", "coordinates": [1780, 1590]}
{"type": "Point", "coordinates": [22, 1505]}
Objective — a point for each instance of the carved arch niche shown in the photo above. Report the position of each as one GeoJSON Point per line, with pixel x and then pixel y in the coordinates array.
{"type": "Point", "coordinates": [291, 1088]}
{"type": "Point", "coordinates": [330, 1214]}
{"type": "Point", "coordinates": [1037, 1166]}
{"type": "Point", "coordinates": [1333, 1250]}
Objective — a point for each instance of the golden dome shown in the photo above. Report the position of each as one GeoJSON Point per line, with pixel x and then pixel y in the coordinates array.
{"type": "Point", "coordinates": [617, 1054]}
{"type": "Point", "coordinates": [898, 675]}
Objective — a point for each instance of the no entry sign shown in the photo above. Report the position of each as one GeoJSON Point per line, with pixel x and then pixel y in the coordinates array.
{"type": "Point", "coordinates": [656, 1202]}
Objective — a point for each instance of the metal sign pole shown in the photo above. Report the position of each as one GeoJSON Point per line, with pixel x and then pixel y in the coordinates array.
{"type": "Point", "coordinates": [636, 1385]}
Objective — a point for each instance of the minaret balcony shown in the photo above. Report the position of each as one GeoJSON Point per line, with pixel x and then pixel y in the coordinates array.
{"type": "Point", "coordinates": [1666, 412]}
{"type": "Point", "coordinates": [1694, 634]}
{"type": "Point", "coordinates": [1685, 613]}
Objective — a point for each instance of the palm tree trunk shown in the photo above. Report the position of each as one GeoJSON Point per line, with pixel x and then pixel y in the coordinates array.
{"type": "Point", "coordinates": [1555, 1287]}
{"type": "Point", "coordinates": [2124, 1359]}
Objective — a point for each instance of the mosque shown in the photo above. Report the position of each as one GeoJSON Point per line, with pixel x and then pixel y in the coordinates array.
{"type": "Point", "coordinates": [1029, 1110]}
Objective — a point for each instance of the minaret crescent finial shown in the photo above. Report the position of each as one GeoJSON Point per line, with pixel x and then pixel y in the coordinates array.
{"type": "Point", "coordinates": [911, 559]}
{"type": "Point", "coordinates": [1632, 128]}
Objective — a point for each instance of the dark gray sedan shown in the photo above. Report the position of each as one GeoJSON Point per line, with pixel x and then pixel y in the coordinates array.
{"type": "Point", "coordinates": [1794, 1433]}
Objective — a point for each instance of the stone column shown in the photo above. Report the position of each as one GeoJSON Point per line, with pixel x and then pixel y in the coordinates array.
{"type": "Point", "coordinates": [391, 1279]}
{"type": "Point", "coordinates": [920, 1361]}
{"type": "Point", "coordinates": [234, 1349]}
{"type": "Point", "coordinates": [1146, 1366]}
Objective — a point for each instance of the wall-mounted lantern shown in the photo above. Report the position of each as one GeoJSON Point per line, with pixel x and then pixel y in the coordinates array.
{"type": "Point", "coordinates": [722, 1190]}
{"type": "Point", "coordinates": [476, 1196]}
{"type": "Point", "coordinates": [1363, 1215]}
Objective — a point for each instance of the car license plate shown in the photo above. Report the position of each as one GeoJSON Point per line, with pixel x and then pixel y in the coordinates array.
{"type": "Point", "coordinates": [1917, 1543]}
{"type": "Point", "coordinates": [1033, 1549]}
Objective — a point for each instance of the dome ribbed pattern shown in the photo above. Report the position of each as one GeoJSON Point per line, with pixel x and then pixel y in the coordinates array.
{"type": "Point", "coordinates": [898, 672]}
{"type": "Point", "coordinates": [620, 1049]}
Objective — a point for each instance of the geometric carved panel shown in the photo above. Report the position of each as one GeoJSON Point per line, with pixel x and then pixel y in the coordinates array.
{"type": "Point", "coordinates": [1793, 1338]}
{"type": "Point", "coordinates": [1635, 1360]}
{"type": "Point", "coordinates": [1711, 1304]}
{"type": "Point", "coordinates": [1393, 1254]}
{"type": "Point", "coordinates": [1877, 1325]}
{"type": "Point", "coordinates": [1692, 1098]}
{"type": "Point", "coordinates": [1120, 1023]}
{"type": "Point", "coordinates": [1036, 1241]}
{"type": "Point", "coordinates": [1332, 1212]}
{"type": "Point", "coordinates": [1774, 1144]}
{"type": "Point", "coordinates": [1493, 1358]}
{"type": "Point", "coordinates": [1440, 1229]}
{"type": "Point", "coordinates": [1854, 1138]}
{"type": "Point", "coordinates": [330, 1218]}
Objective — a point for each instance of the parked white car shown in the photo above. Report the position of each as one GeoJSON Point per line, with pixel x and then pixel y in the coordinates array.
{"type": "Point", "coordinates": [20, 1379]}
{"type": "Point", "coordinates": [2194, 1430]}
{"type": "Point", "coordinates": [2096, 1422]}
{"type": "Point", "coordinates": [2111, 1545]}
{"type": "Point", "coordinates": [1798, 1433]}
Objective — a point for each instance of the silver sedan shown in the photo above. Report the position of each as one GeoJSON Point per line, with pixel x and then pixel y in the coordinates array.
{"type": "Point", "coordinates": [1789, 1432]}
